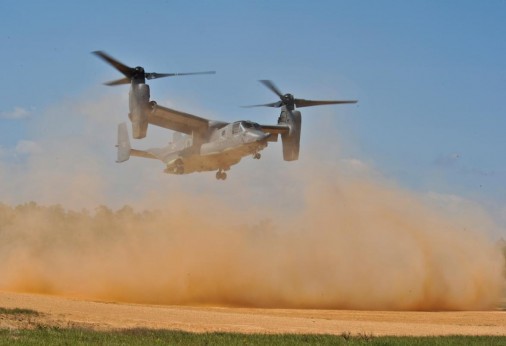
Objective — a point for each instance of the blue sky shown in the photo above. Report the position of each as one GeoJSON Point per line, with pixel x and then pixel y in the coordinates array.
{"type": "Point", "coordinates": [430, 76]}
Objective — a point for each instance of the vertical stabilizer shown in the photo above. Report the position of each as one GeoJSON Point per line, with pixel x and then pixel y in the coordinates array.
{"type": "Point", "coordinates": [123, 145]}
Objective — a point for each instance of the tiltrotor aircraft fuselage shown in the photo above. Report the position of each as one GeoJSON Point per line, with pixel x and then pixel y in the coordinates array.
{"type": "Point", "coordinates": [200, 144]}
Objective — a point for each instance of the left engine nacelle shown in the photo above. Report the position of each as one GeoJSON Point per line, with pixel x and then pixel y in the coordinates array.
{"type": "Point", "coordinates": [139, 108]}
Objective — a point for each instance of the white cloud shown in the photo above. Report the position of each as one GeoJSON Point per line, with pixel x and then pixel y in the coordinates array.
{"type": "Point", "coordinates": [446, 198]}
{"type": "Point", "coordinates": [355, 164]}
{"type": "Point", "coordinates": [448, 160]}
{"type": "Point", "coordinates": [354, 167]}
{"type": "Point", "coordinates": [22, 148]}
{"type": "Point", "coordinates": [17, 113]}
{"type": "Point", "coordinates": [28, 147]}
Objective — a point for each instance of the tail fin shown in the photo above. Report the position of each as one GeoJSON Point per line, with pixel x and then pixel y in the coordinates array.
{"type": "Point", "coordinates": [123, 145]}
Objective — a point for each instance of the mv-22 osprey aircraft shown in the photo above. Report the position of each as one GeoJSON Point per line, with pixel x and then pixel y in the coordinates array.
{"type": "Point", "coordinates": [201, 144]}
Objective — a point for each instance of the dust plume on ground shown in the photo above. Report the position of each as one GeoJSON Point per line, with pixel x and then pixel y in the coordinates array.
{"type": "Point", "coordinates": [354, 244]}
{"type": "Point", "coordinates": [286, 238]}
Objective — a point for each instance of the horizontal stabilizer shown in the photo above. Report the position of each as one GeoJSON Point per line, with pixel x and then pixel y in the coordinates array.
{"type": "Point", "coordinates": [142, 153]}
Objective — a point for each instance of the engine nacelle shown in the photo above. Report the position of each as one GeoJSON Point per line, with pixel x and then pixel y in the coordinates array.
{"type": "Point", "coordinates": [291, 140]}
{"type": "Point", "coordinates": [139, 108]}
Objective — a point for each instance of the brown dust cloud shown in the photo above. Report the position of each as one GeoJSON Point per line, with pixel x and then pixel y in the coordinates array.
{"type": "Point", "coordinates": [325, 239]}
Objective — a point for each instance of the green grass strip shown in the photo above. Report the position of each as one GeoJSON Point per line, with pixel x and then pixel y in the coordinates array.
{"type": "Point", "coordinates": [75, 336]}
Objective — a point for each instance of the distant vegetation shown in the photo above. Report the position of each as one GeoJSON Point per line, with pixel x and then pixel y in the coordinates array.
{"type": "Point", "coordinates": [58, 213]}
{"type": "Point", "coordinates": [73, 336]}
{"type": "Point", "coordinates": [17, 311]}
{"type": "Point", "coordinates": [54, 220]}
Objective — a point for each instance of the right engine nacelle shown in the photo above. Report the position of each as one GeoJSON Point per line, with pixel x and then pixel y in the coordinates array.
{"type": "Point", "coordinates": [291, 140]}
{"type": "Point", "coordinates": [139, 108]}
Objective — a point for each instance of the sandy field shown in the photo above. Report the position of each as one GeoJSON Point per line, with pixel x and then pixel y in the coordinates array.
{"type": "Point", "coordinates": [71, 312]}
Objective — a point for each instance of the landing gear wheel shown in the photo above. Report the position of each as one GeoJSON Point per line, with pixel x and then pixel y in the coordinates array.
{"type": "Point", "coordinates": [179, 167]}
{"type": "Point", "coordinates": [221, 175]}
{"type": "Point", "coordinates": [257, 156]}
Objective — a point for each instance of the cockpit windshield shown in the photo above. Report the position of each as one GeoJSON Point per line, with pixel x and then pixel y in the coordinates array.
{"type": "Point", "coordinates": [250, 125]}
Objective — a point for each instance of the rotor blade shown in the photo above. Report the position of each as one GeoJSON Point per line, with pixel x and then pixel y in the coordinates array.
{"type": "Point", "coordinates": [273, 104]}
{"type": "Point", "coordinates": [127, 71]}
{"type": "Point", "coordinates": [269, 84]}
{"type": "Point", "coordinates": [125, 80]}
{"type": "Point", "coordinates": [299, 103]}
{"type": "Point", "coordinates": [153, 75]}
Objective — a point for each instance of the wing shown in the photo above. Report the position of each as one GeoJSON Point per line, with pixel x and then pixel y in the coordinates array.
{"type": "Point", "coordinates": [177, 121]}
{"type": "Point", "coordinates": [275, 130]}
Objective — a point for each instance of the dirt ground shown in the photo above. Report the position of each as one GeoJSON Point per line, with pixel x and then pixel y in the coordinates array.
{"type": "Point", "coordinates": [71, 312]}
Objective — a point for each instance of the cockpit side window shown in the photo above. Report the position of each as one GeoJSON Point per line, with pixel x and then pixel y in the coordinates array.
{"type": "Point", "coordinates": [250, 125]}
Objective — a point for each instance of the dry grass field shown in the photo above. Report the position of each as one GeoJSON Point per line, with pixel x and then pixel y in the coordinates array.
{"type": "Point", "coordinates": [65, 312]}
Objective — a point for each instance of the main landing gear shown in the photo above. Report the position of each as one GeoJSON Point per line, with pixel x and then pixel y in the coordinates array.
{"type": "Point", "coordinates": [221, 175]}
{"type": "Point", "coordinates": [257, 156]}
{"type": "Point", "coordinates": [179, 167]}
